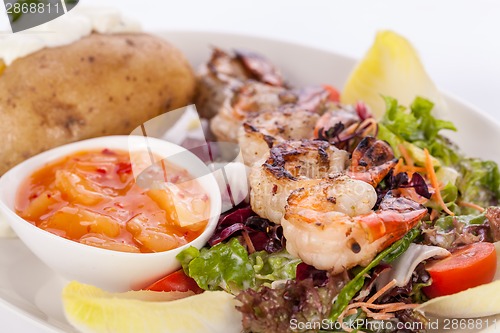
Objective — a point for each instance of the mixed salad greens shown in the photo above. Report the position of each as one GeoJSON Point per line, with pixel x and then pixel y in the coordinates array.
{"type": "Point", "coordinates": [247, 257]}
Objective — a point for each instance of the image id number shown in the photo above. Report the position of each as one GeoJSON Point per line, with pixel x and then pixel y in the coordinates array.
{"type": "Point", "coordinates": [24, 8]}
{"type": "Point", "coordinates": [468, 324]}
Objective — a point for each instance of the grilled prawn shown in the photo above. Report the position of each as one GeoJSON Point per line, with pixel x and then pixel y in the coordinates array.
{"type": "Point", "coordinates": [224, 73]}
{"type": "Point", "coordinates": [241, 103]}
{"type": "Point", "coordinates": [289, 166]}
{"type": "Point", "coordinates": [254, 97]}
{"type": "Point", "coordinates": [331, 225]}
{"type": "Point", "coordinates": [261, 132]}
{"type": "Point", "coordinates": [232, 88]}
{"type": "Point", "coordinates": [371, 161]}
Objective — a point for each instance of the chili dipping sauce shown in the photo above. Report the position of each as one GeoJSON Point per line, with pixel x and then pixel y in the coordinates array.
{"type": "Point", "coordinates": [91, 197]}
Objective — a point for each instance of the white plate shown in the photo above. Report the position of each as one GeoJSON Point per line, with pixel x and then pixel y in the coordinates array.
{"type": "Point", "coordinates": [31, 289]}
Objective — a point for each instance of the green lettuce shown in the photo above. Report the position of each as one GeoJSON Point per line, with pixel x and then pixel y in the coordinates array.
{"type": "Point", "coordinates": [448, 223]}
{"type": "Point", "coordinates": [479, 183]}
{"type": "Point", "coordinates": [451, 231]}
{"type": "Point", "coordinates": [416, 124]}
{"type": "Point", "coordinates": [225, 266]}
{"type": "Point", "coordinates": [228, 266]}
{"type": "Point", "coordinates": [417, 129]}
{"type": "Point", "coordinates": [273, 267]}
{"type": "Point", "coordinates": [415, 152]}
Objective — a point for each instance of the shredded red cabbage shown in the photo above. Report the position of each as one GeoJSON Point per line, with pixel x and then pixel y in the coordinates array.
{"type": "Point", "coordinates": [363, 111]}
{"type": "Point", "coordinates": [416, 182]}
{"type": "Point", "coordinates": [305, 271]}
{"type": "Point", "coordinates": [401, 180]}
{"type": "Point", "coordinates": [264, 234]}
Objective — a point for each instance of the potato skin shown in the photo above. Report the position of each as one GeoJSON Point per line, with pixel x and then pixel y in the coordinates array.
{"type": "Point", "coordinates": [100, 85]}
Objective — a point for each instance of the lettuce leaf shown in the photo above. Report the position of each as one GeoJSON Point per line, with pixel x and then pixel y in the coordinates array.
{"type": "Point", "coordinates": [447, 223]}
{"type": "Point", "coordinates": [225, 266]}
{"type": "Point", "coordinates": [274, 267]}
{"type": "Point", "coordinates": [228, 266]}
{"type": "Point", "coordinates": [450, 232]}
{"type": "Point", "coordinates": [417, 129]}
{"type": "Point", "coordinates": [416, 153]}
{"type": "Point", "coordinates": [416, 124]}
{"type": "Point", "coordinates": [479, 183]}
{"type": "Point", "coordinates": [399, 121]}
{"type": "Point", "coordinates": [271, 310]}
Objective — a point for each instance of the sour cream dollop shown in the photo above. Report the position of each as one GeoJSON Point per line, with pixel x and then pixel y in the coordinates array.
{"type": "Point", "coordinates": [64, 30]}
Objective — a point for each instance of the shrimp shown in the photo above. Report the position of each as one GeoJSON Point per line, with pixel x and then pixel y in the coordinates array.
{"type": "Point", "coordinates": [253, 97]}
{"type": "Point", "coordinates": [242, 102]}
{"type": "Point", "coordinates": [260, 133]}
{"type": "Point", "coordinates": [225, 72]}
{"type": "Point", "coordinates": [232, 87]}
{"type": "Point", "coordinates": [332, 226]}
{"type": "Point", "coordinates": [372, 160]}
{"type": "Point", "coordinates": [291, 165]}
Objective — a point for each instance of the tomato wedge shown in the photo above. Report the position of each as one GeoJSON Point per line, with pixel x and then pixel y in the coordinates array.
{"type": "Point", "coordinates": [469, 266]}
{"type": "Point", "coordinates": [334, 93]}
{"type": "Point", "coordinates": [176, 281]}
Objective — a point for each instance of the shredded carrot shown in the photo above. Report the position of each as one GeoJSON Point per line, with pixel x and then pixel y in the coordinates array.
{"type": "Point", "coordinates": [351, 312]}
{"type": "Point", "coordinates": [413, 169]}
{"type": "Point", "coordinates": [399, 307]}
{"type": "Point", "coordinates": [386, 310]}
{"type": "Point", "coordinates": [379, 293]}
{"type": "Point", "coordinates": [398, 166]}
{"type": "Point", "coordinates": [471, 205]}
{"type": "Point", "coordinates": [346, 311]}
{"type": "Point", "coordinates": [406, 155]}
{"type": "Point", "coordinates": [371, 305]}
{"type": "Point", "coordinates": [377, 315]}
{"type": "Point", "coordinates": [248, 241]}
{"type": "Point", "coordinates": [434, 182]}
{"type": "Point", "coordinates": [410, 166]}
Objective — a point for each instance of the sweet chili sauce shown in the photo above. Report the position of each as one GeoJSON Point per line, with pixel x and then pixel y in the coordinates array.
{"type": "Point", "coordinates": [91, 197]}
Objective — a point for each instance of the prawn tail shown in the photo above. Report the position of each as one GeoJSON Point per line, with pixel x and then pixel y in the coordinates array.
{"type": "Point", "coordinates": [390, 225]}
{"type": "Point", "coordinates": [374, 175]}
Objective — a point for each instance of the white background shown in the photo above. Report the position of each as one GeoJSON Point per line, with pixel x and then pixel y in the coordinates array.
{"type": "Point", "coordinates": [458, 40]}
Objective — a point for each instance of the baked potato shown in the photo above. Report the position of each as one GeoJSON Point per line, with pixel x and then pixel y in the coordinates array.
{"type": "Point", "coordinates": [100, 85]}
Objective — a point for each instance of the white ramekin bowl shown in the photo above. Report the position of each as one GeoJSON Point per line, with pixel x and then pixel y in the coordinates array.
{"type": "Point", "coordinates": [111, 270]}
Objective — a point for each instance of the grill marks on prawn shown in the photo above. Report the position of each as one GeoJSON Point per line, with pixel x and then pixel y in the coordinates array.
{"type": "Point", "coordinates": [289, 166]}
{"type": "Point", "coordinates": [280, 156]}
{"type": "Point", "coordinates": [265, 130]}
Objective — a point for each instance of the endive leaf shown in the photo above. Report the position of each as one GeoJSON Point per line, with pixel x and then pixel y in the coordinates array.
{"type": "Point", "coordinates": [91, 309]}
{"type": "Point", "coordinates": [390, 68]}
